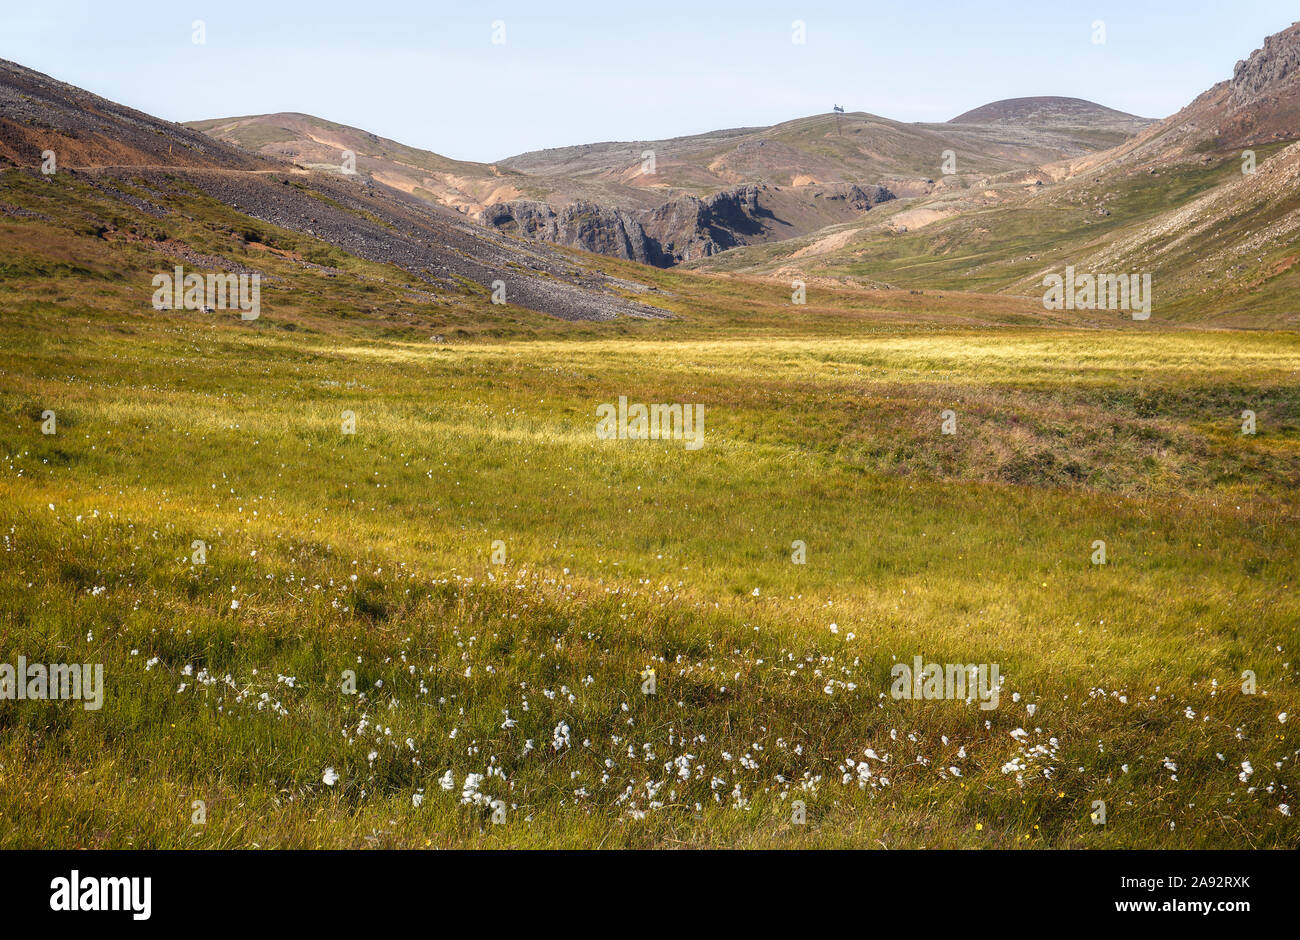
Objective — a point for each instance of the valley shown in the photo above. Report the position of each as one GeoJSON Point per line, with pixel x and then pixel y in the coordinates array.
{"type": "Point", "coordinates": [438, 549]}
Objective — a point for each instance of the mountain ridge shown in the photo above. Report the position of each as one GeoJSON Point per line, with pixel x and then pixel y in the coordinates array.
{"type": "Point", "coordinates": [680, 199]}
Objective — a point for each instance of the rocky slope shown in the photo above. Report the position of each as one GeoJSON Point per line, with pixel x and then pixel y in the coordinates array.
{"type": "Point", "coordinates": [116, 151]}
{"type": "Point", "coordinates": [1259, 105]}
{"type": "Point", "coordinates": [1264, 93]}
{"type": "Point", "coordinates": [39, 113]}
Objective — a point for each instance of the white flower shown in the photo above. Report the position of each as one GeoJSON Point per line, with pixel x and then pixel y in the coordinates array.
{"type": "Point", "coordinates": [1284, 809]}
{"type": "Point", "coordinates": [560, 739]}
{"type": "Point", "coordinates": [329, 777]}
{"type": "Point", "coordinates": [447, 781]}
{"type": "Point", "coordinates": [417, 798]}
{"type": "Point", "coordinates": [469, 793]}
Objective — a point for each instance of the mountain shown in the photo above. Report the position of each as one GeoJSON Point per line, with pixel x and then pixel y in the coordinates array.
{"type": "Point", "coordinates": [1236, 234]}
{"type": "Point", "coordinates": [697, 195]}
{"type": "Point", "coordinates": [38, 113]}
{"type": "Point", "coordinates": [848, 148]}
{"type": "Point", "coordinates": [1054, 112]}
{"type": "Point", "coordinates": [133, 172]}
{"type": "Point", "coordinates": [315, 143]}
{"type": "Point", "coordinates": [1258, 106]}
{"type": "Point", "coordinates": [1172, 201]}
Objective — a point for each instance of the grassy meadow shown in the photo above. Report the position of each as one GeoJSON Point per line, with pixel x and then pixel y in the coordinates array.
{"type": "Point", "coordinates": [516, 688]}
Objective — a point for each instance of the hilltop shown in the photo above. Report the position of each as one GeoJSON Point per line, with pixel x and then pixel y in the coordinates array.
{"type": "Point", "coordinates": [1056, 112]}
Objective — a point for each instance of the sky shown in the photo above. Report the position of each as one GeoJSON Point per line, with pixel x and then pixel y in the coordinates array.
{"type": "Point", "coordinates": [430, 74]}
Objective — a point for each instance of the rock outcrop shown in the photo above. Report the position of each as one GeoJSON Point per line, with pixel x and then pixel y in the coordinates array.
{"type": "Point", "coordinates": [582, 225]}
{"type": "Point", "coordinates": [1261, 102]}
{"type": "Point", "coordinates": [683, 229]}
{"type": "Point", "coordinates": [1266, 68]}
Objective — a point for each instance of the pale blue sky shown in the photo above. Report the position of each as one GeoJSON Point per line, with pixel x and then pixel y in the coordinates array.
{"type": "Point", "coordinates": [427, 73]}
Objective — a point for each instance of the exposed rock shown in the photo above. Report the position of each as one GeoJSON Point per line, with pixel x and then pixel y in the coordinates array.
{"type": "Point", "coordinates": [689, 227]}
{"type": "Point", "coordinates": [683, 229]}
{"type": "Point", "coordinates": [1267, 67]}
{"type": "Point", "coordinates": [582, 225]}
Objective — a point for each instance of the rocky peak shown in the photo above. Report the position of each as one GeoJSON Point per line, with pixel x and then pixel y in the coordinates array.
{"type": "Point", "coordinates": [1267, 68]}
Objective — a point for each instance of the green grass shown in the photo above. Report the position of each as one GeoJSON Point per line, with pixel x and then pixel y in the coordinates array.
{"type": "Point", "coordinates": [372, 552]}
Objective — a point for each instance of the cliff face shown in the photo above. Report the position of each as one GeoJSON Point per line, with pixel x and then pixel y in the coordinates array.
{"type": "Point", "coordinates": [582, 225]}
{"type": "Point", "coordinates": [1261, 103]}
{"type": "Point", "coordinates": [684, 229]}
{"type": "Point", "coordinates": [689, 227]}
{"type": "Point", "coordinates": [1267, 68]}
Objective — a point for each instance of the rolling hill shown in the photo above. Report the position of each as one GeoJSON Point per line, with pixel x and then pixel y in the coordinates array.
{"type": "Point", "coordinates": [1056, 112]}
{"type": "Point", "coordinates": [701, 194]}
